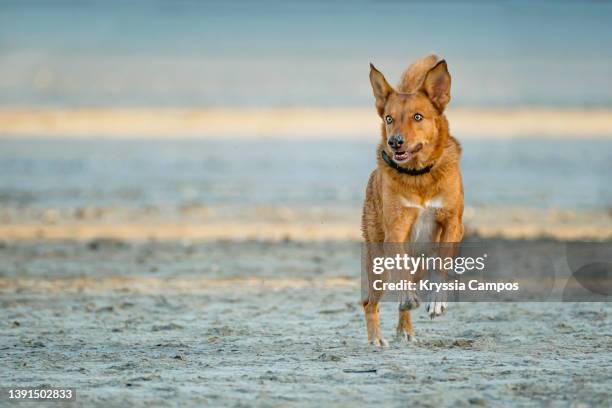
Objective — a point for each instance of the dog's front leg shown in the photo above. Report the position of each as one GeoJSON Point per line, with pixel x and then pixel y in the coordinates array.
{"type": "Point", "coordinates": [452, 229]}
{"type": "Point", "coordinates": [451, 235]}
{"type": "Point", "coordinates": [397, 230]}
{"type": "Point", "coordinates": [371, 305]}
{"type": "Point", "coordinates": [372, 316]}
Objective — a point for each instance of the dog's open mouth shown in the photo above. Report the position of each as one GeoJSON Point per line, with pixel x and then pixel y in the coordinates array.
{"type": "Point", "coordinates": [401, 156]}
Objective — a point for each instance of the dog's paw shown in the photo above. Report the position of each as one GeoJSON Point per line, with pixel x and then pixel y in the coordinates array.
{"type": "Point", "coordinates": [436, 307]}
{"type": "Point", "coordinates": [405, 337]}
{"type": "Point", "coordinates": [436, 300]}
{"type": "Point", "coordinates": [379, 342]}
{"type": "Point", "coordinates": [410, 301]}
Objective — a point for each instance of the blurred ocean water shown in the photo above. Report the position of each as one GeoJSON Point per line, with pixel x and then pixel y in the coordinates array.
{"type": "Point", "coordinates": [134, 174]}
{"type": "Point", "coordinates": [287, 53]}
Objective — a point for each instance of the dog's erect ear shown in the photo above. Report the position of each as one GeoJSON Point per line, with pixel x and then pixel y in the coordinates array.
{"type": "Point", "coordinates": [381, 89]}
{"type": "Point", "coordinates": [436, 85]}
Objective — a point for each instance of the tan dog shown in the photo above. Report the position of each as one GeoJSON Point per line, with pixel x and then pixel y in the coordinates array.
{"type": "Point", "coordinates": [416, 193]}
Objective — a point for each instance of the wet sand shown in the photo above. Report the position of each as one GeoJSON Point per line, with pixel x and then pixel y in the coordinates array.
{"type": "Point", "coordinates": [274, 324]}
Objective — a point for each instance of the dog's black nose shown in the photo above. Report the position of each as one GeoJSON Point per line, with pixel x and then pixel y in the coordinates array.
{"type": "Point", "coordinates": [396, 141]}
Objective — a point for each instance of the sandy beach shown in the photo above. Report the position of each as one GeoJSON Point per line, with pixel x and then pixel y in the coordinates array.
{"type": "Point", "coordinates": [273, 324]}
{"type": "Point", "coordinates": [182, 185]}
{"type": "Point", "coordinates": [229, 306]}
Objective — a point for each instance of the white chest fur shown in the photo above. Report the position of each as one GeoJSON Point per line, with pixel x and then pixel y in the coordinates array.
{"type": "Point", "coordinates": [425, 224]}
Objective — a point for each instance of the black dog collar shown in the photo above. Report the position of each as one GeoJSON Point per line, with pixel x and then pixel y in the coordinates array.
{"type": "Point", "coordinates": [410, 172]}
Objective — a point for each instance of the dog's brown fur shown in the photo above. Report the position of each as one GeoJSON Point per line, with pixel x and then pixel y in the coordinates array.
{"type": "Point", "coordinates": [387, 218]}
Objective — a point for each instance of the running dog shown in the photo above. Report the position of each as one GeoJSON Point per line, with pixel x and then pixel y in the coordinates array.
{"type": "Point", "coordinates": [415, 194]}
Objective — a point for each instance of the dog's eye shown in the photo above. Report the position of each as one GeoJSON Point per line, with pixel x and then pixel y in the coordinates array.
{"type": "Point", "coordinates": [388, 119]}
{"type": "Point", "coordinates": [418, 117]}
